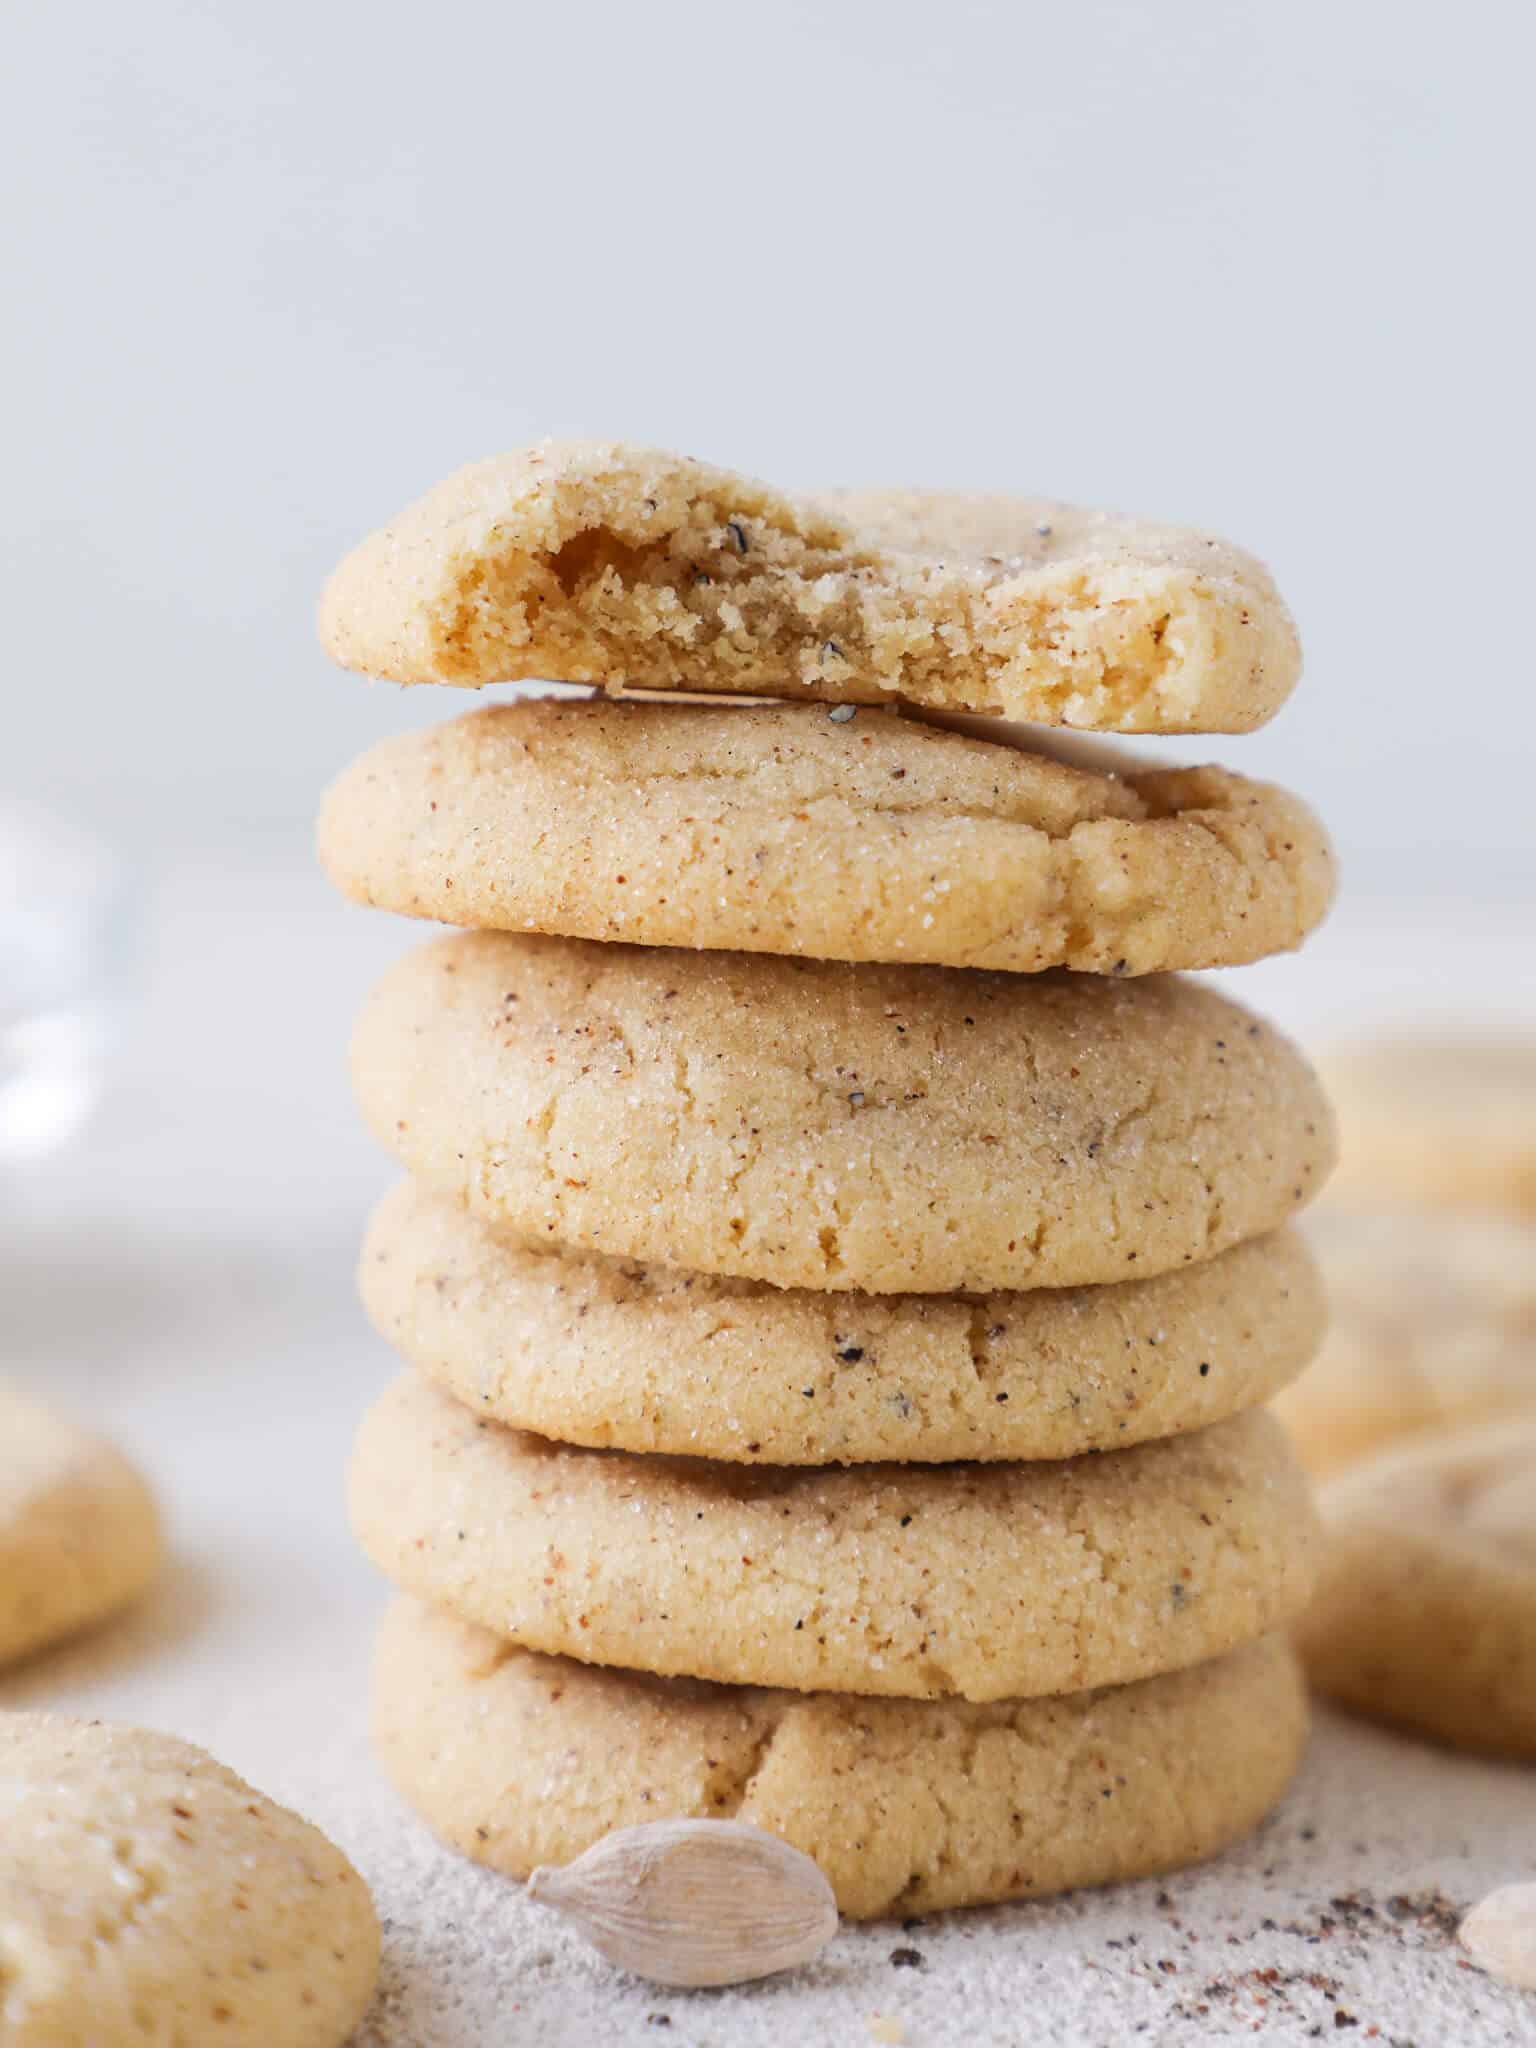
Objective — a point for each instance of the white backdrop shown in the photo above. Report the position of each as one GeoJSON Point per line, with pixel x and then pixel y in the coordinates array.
{"type": "Point", "coordinates": [272, 269]}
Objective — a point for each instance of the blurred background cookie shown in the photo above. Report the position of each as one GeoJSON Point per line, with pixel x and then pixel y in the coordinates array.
{"type": "Point", "coordinates": [1437, 1119]}
{"type": "Point", "coordinates": [1431, 1326]}
{"type": "Point", "coordinates": [1425, 1615]}
{"type": "Point", "coordinates": [79, 1531]}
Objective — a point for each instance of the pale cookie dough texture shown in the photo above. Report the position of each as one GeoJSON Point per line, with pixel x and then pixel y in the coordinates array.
{"type": "Point", "coordinates": [1449, 1121]}
{"type": "Point", "coordinates": [592, 562]}
{"type": "Point", "coordinates": [980, 1581]}
{"type": "Point", "coordinates": [1431, 1328]}
{"type": "Point", "coordinates": [622, 1356]}
{"type": "Point", "coordinates": [79, 1533]}
{"type": "Point", "coordinates": [779, 829]}
{"type": "Point", "coordinates": [812, 1124]}
{"type": "Point", "coordinates": [148, 1895]}
{"type": "Point", "coordinates": [1426, 1612]}
{"type": "Point", "coordinates": [908, 1806]}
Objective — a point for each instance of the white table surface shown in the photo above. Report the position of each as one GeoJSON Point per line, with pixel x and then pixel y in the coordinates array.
{"type": "Point", "coordinates": [183, 1275]}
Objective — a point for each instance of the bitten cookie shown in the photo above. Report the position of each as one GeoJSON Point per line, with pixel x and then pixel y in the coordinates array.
{"type": "Point", "coordinates": [1432, 1327]}
{"type": "Point", "coordinates": [79, 1534]}
{"type": "Point", "coordinates": [1444, 1121]}
{"type": "Point", "coordinates": [646, 1358]}
{"type": "Point", "coordinates": [1426, 1611]}
{"type": "Point", "coordinates": [147, 1894]}
{"type": "Point", "coordinates": [811, 1124]}
{"type": "Point", "coordinates": [592, 562]}
{"type": "Point", "coordinates": [779, 829]}
{"type": "Point", "coordinates": [908, 1806]}
{"type": "Point", "coordinates": [982, 1581]}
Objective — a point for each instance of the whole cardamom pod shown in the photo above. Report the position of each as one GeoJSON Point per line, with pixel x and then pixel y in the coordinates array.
{"type": "Point", "coordinates": [694, 1902]}
{"type": "Point", "coordinates": [1500, 1934]}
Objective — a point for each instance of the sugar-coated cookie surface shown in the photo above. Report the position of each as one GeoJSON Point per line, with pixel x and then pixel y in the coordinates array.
{"type": "Point", "coordinates": [1425, 1614]}
{"type": "Point", "coordinates": [779, 829]}
{"type": "Point", "coordinates": [595, 562]}
{"type": "Point", "coordinates": [1431, 1328]}
{"type": "Point", "coordinates": [908, 1806]}
{"type": "Point", "coordinates": [982, 1581]}
{"type": "Point", "coordinates": [79, 1531]}
{"type": "Point", "coordinates": [622, 1356]}
{"type": "Point", "coordinates": [813, 1124]}
{"type": "Point", "coordinates": [148, 1895]}
{"type": "Point", "coordinates": [1449, 1121]}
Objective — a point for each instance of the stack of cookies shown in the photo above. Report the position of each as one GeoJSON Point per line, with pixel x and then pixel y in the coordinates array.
{"type": "Point", "coordinates": [838, 1330]}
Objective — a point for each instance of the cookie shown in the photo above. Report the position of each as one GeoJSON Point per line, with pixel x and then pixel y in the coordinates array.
{"type": "Point", "coordinates": [592, 562]}
{"type": "Point", "coordinates": [1449, 1121]}
{"type": "Point", "coordinates": [982, 1581]}
{"type": "Point", "coordinates": [647, 1358]}
{"type": "Point", "coordinates": [1432, 1326]}
{"type": "Point", "coordinates": [812, 1124]}
{"type": "Point", "coordinates": [79, 1533]}
{"type": "Point", "coordinates": [1425, 1615]}
{"type": "Point", "coordinates": [778, 829]}
{"type": "Point", "coordinates": [909, 1806]}
{"type": "Point", "coordinates": [147, 1894]}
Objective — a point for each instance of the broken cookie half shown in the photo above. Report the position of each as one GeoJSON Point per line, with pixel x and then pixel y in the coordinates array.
{"type": "Point", "coordinates": [593, 562]}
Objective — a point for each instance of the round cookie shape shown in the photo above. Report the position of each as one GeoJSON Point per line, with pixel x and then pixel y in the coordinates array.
{"type": "Point", "coordinates": [79, 1532]}
{"type": "Point", "coordinates": [1431, 1328]}
{"type": "Point", "coordinates": [781, 829]}
{"type": "Point", "coordinates": [909, 1806]}
{"type": "Point", "coordinates": [920, 1582]}
{"type": "Point", "coordinates": [620, 1356]}
{"type": "Point", "coordinates": [1449, 1121]}
{"type": "Point", "coordinates": [1425, 1615]}
{"type": "Point", "coordinates": [597, 562]}
{"type": "Point", "coordinates": [814, 1124]}
{"type": "Point", "coordinates": [148, 1894]}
